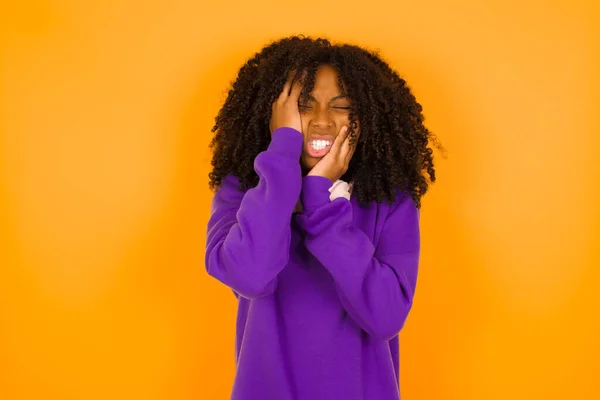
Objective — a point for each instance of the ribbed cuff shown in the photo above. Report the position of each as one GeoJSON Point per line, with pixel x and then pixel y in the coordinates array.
{"type": "Point", "coordinates": [287, 141]}
{"type": "Point", "coordinates": [315, 191]}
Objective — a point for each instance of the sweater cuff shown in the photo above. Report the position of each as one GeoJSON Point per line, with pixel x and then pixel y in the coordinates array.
{"type": "Point", "coordinates": [315, 192]}
{"type": "Point", "coordinates": [287, 142]}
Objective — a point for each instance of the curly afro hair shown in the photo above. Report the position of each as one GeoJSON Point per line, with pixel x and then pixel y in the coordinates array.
{"type": "Point", "coordinates": [392, 151]}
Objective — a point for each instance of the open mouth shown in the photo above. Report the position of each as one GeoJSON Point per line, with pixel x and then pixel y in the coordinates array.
{"type": "Point", "coordinates": [318, 148]}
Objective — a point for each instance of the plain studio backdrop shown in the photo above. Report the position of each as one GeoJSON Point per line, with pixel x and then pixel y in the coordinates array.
{"type": "Point", "coordinates": [105, 116]}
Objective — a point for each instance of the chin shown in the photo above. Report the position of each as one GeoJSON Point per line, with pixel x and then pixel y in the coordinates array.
{"type": "Point", "coordinates": [308, 164]}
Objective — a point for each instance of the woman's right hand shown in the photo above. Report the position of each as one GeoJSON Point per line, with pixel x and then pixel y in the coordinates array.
{"type": "Point", "coordinates": [285, 109]}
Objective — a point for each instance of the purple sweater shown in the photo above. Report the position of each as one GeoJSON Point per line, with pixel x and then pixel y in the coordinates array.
{"type": "Point", "coordinates": [322, 294]}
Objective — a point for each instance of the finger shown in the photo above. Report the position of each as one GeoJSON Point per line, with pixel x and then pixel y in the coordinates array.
{"type": "Point", "coordinates": [286, 90]}
{"type": "Point", "coordinates": [297, 87]}
{"type": "Point", "coordinates": [350, 145]}
{"type": "Point", "coordinates": [339, 141]}
{"type": "Point", "coordinates": [346, 149]}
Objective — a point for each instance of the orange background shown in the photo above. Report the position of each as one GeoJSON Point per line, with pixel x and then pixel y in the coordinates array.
{"type": "Point", "coordinates": [105, 117]}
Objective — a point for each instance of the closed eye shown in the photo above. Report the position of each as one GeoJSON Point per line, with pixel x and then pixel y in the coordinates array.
{"type": "Point", "coordinates": [306, 106]}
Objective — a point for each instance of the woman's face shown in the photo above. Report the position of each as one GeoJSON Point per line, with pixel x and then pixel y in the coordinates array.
{"type": "Point", "coordinates": [325, 113]}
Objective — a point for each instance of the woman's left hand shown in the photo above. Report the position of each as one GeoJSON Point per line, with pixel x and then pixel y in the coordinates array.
{"type": "Point", "coordinates": [335, 163]}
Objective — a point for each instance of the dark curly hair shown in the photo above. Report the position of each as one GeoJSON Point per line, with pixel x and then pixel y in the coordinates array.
{"type": "Point", "coordinates": [392, 150]}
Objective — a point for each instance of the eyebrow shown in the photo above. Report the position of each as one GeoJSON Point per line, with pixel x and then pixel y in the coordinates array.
{"type": "Point", "coordinates": [341, 96]}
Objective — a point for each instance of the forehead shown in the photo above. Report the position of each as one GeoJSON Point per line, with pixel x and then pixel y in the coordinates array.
{"type": "Point", "coordinates": [326, 80]}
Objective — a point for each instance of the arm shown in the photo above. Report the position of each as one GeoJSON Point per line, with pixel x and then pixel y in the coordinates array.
{"type": "Point", "coordinates": [248, 234]}
{"type": "Point", "coordinates": [375, 285]}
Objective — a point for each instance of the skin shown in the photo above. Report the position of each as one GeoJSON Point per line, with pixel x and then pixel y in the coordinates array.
{"type": "Point", "coordinates": [325, 113]}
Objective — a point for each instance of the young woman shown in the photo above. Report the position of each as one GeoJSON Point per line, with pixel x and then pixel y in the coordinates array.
{"type": "Point", "coordinates": [320, 161]}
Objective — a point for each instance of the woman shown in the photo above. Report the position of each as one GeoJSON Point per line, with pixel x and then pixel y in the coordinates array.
{"type": "Point", "coordinates": [320, 156]}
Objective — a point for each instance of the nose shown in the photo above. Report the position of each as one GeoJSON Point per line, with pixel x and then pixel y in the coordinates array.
{"type": "Point", "coordinates": [322, 118]}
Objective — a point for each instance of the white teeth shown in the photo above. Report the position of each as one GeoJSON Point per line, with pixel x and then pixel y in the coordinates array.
{"type": "Point", "coordinates": [319, 144]}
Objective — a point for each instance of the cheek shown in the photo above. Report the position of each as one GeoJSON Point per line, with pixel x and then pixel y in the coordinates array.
{"type": "Point", "coordinates": [342, 120]}
{"type": "Point", "coordinates": [305, 122]}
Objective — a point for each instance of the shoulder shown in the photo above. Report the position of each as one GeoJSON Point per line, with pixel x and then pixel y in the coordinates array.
{"type": "Point", "coordinates": [403, 207]}
{"type": "Point", "coordinates": [229, 193]}
{"type": "Point", "coordinates": [401, 226]}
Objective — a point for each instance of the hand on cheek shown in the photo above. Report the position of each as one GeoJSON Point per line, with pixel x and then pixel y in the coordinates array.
{"type": "Point", "coordinates": [335, 163]}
